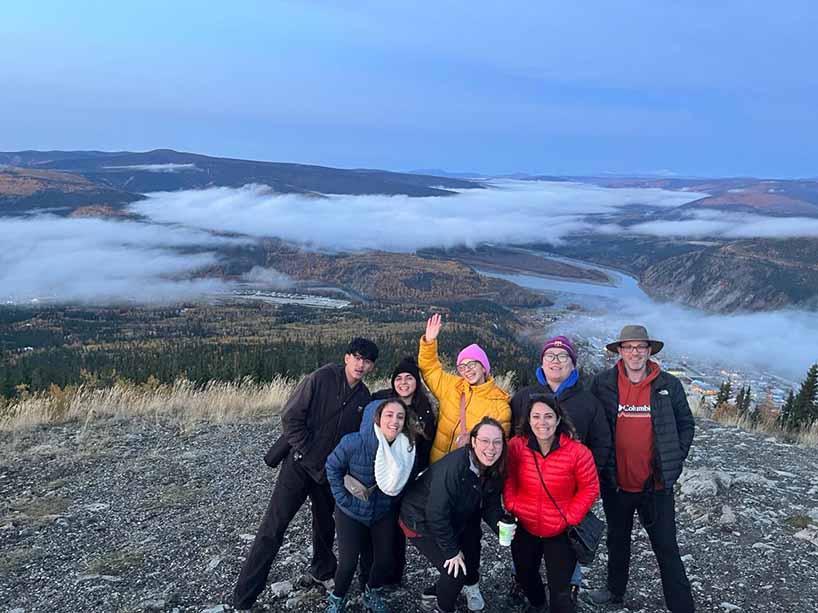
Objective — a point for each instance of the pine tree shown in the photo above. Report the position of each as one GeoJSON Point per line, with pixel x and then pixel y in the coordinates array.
{"type": "Point", "coordinates": [739, 400]}
{"type": "Point", "coordinates": [805, 407]}
{"type": "Point", "coordinates": [744, 407]}
{"type": "Point", "coordinates": [785, 417]}
{"type": "Point", "coordinates": [725, 390]}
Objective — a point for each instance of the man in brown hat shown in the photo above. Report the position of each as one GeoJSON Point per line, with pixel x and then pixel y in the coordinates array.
{"type": "Point", "coordinates": [652, 430]}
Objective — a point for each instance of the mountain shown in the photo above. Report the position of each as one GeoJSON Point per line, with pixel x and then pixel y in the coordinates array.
{"type": "Point", "coordinates": [745, 275]}
{"type": "Point", "coordinates": [168, 170]}
{"type": "Point", "coordinates": [797, 197]}
{"type": "Point", "coordinates": [25, 190]}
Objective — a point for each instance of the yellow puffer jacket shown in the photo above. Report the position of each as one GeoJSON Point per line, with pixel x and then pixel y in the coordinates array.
{"type": "Point", "coordinates": [481, 400]}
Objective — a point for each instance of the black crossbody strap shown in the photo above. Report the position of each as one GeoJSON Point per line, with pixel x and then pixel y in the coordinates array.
{"type": "Point", "coordinates": [545, 487]}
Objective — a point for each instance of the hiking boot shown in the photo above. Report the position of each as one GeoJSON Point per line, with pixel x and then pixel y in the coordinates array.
{"type": "Point", "coordinates": [428, 599]}
{"type": "Point", "coordinates": [308, 581]}
{"type": "Point", "coordinates": [335, 604]}
{"type": "Point", "coordinates": [605, 597]}
{"type": "Point", "coordinates": [516, 596]}
{"type": "Point", "coordinates": [474, 599]}
{"type": "Point", "coordinates": [373, 601]}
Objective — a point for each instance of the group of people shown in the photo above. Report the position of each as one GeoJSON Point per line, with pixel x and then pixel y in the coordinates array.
{"type": "Point", "coordinates": [384, 469]}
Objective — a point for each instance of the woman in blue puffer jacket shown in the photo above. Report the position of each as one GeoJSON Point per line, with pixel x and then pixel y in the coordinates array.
{"type": "Point", "coordinates": [366, 472]}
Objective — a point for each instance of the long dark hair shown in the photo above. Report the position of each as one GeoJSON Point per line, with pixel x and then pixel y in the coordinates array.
{"type": "Point", "coordinates": [500, 467]}
{"type": "Point", "coordinates": [410, 425]}
{"type": "Point", "coordinates": [565, 426]}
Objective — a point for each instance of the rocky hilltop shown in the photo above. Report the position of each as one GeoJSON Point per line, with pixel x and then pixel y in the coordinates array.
{"type": "Point", "coordinates": [154, 515]}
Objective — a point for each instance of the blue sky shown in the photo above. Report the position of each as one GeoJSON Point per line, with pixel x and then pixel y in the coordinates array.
{"type": "Point", "coordinates": [692, 88]}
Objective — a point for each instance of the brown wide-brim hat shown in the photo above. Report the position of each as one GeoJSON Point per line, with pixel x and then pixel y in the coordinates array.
{"type": "Point", "coordinates": [635, 333]}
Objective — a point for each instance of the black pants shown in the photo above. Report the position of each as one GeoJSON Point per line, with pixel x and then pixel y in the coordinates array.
{"type": "Point", "coordinates": [658, 515]}
{"type": "Point", "coordinates": [292, 488]}
{"type": "Point", "coordinates": [528, 551]}
{"type": "Point", "coordinates": [373, 544]}
{"type": "Point", "coordinates": [398, 560]}
{"type": "Point", "coordinates": [448, 587]}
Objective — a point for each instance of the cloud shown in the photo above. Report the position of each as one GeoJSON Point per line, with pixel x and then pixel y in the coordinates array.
{"type": "Point", "coordinates": [711, 341]}
{"type": "Point", "coordinates": [102, 261]}
{"type": "Point", "coordinates": [269, 278]}
{"type": "Point", "coordinates": [512, 212]}
{"type": "Point", "coordinates": [704, 224]}
{"type": "Point", "coordinates": [155, 167]}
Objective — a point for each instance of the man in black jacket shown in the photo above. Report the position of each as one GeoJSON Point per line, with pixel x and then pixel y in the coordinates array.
{"type": "Point", "coordinates": [326, 405]}
{"type": "Point", "coordinates": [653, 430]}
{"type": "Point", "coordinates": [559, 378]}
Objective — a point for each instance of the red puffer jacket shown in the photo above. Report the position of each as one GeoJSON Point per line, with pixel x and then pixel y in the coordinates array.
{"type": "Point", "coordinates": [570, 474]}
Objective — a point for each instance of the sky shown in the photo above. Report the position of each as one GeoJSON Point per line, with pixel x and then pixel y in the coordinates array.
{"type": "Point", "coordinates": [696, 88]}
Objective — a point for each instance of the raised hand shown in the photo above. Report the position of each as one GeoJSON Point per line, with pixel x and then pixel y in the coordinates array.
{"type": "Point", "coordinates": [433, 325]}
{"type": "Point", "coordinates": [455, 564]}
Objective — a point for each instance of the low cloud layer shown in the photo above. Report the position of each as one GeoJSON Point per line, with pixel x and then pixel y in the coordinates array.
{"type": "Point", "coordinates": [103, 261]}
{"type": "Point", "coordinates": [511, 212]}
{"type": "Point", "coordinates": [704, 224]}
{"type": "Point", "coordinates": [155, 167]}
{"type": "Point", "coordinates": [725, 341]}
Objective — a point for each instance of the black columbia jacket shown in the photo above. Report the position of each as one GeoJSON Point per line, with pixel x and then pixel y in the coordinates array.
{"type": "Point", "coordinates": [673, 423]}
{"type": "Point", "coordinates": [320, 411]}
{"type": "Point", "coordinates": [439, 502]}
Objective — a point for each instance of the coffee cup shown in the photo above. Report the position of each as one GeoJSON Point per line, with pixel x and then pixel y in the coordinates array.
{"type": "Point", "coordinates": [506, 528]}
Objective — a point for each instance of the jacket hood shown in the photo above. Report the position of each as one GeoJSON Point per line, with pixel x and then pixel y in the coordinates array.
{"type": "Point", "coordinates": [367, 431]}
{"type": "Point", "coordinates": [568, 383]}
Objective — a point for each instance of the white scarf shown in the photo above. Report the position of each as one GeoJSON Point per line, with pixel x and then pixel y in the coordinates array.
{"type": "Point", "coordinates": [393, 463]}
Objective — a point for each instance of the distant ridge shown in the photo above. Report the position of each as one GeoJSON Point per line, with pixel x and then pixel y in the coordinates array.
{"type": "Point", "coordinates": [169, 170]}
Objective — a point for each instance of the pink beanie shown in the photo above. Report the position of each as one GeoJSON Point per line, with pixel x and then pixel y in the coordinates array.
{"type": "Point", "coordinates": [474, 352]}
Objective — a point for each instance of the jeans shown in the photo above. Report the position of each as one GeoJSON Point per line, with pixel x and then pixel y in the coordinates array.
{"type": "Point", "coordinates": [657, 514]}
{"type": "Point", "coordinates": [292, 488]}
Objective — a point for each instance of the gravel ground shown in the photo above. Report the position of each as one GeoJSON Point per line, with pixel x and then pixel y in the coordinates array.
{"type": "Point", "coordinates": [143, 515]}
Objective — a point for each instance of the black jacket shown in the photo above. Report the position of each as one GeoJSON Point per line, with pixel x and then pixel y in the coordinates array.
{"type": "Point", "coordinates": [672, 421]}
{"type": "Point", "coordinates": [448, 493]}
{"type": "Point", "coordinates": [585, 412]}
{"type": "Point", "coordinates": [422, 408]}
{"type": "Point", "coordinates": [320, 411]}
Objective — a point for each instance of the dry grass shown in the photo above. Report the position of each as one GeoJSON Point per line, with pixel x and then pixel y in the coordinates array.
{"type": "Point", "coordinates": [215, 401]}
{"type": "Point", "coordinates": [728, 415]}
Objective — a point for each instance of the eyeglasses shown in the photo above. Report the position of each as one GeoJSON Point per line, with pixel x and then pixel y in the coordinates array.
{"type": "Point", "coordinates": [472, 366]}
{"type": "Point", "coordinates": [635, 348]}
{"type": "Point", "coordinates": [561, 357]}
{"type": "Point", "coordinates": [359, 358]}
{"type": "Point", "coordinates": [487, 442]}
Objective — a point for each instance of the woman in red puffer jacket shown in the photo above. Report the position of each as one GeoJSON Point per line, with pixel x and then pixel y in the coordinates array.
{"type": "Point", "coordinates": [547, 455]}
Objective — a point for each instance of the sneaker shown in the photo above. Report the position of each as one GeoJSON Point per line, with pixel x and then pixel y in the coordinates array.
{"type": "Point", "coordinates": [474, 599]}
{"type": "Point", "coordinates": [335, 604]}
{"type": "Point", "coordinates": [605, 597]}
{"type": "Point", "coordinates": [428, 599]}
{"type": "Point", "coordinates": [373, 601]}
{"type": "Point", "coordinates": [307, 581]}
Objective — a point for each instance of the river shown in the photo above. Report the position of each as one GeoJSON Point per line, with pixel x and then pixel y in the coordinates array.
{"type": "Point", "coordinates": [769, 351]}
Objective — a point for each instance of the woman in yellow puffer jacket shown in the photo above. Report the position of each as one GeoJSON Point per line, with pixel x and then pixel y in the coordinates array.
{"type": "Point", "coordinates": [464, 400]}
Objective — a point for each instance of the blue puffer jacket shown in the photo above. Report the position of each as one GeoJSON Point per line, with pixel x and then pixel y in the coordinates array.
{"type": "Point", "coordinates": [355, 455]}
